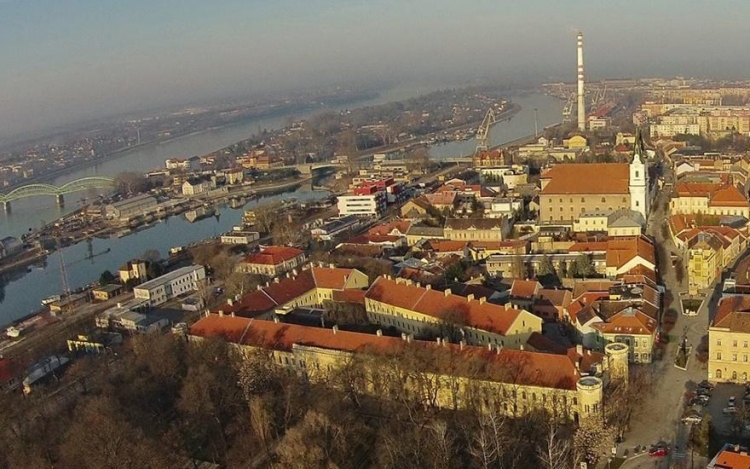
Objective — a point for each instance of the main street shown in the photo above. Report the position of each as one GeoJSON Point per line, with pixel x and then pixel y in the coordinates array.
{"type": "Point", "coordinates": [658, 418]}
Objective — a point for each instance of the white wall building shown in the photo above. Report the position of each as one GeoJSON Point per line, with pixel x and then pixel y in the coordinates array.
{"type": "Point", "coordinates": [372, 205]}
{"type": "Point", "coordinates": [171, 285]}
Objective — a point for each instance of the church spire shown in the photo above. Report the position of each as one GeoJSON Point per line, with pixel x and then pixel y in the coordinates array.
{"type": "Point", "coordinates": [638, 153]}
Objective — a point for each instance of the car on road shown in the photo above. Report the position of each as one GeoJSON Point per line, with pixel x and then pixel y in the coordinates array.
{"type": "Point", "coordinates": [730, 410]}
{"type": "Point", "coordinates": [732, 400]}
{"type": "Point", "coordinates": [692, 418]}
{"type": "Point", "coordinates": [658, 452]}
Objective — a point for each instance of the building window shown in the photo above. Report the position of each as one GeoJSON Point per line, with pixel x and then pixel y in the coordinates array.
{"type": "Point", "coordinates": [734, 376]}
{"type": "Point", "coordinates": [734, 357]}
{"type": "Point", "coordinates": [718, 355]}
{"type": "Point", "coordinates": [604, 199]}
{"type": "Point", "coordinates": [734, 343]}
{"type": "Point", "coordinates": [718, 342]}
{"type": "Point", "coordinates": [718, 373]}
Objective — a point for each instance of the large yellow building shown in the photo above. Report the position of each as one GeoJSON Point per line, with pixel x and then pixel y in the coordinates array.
{"type": "Point", "coordinates": [510, 382]}
{"type": "Point", "coordinates": [708, 199]}
{"type": "Point", "coordinates": [569, 190]}
{"type": "Point", "coordinates": [729, 341]}
{"type": "Point", "coordinates": [418, 310]}
{"type": "Point", "coordinates": [632, 328]}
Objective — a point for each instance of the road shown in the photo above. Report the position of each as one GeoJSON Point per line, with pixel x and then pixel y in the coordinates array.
{"type": "Point", "coordinates": [658, 417]}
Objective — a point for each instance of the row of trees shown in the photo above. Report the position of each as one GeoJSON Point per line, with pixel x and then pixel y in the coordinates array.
{"type": "Point", "coordinates": [166, 402]}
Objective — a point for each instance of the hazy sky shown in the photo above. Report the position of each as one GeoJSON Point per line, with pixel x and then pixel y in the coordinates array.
{"type": "Point", "coordinates": [62, 61]}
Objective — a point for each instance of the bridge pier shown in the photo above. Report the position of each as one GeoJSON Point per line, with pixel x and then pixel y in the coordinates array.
{"type": "Point", "coordinates": [6, 206]}
{"type": "Point", "coordinates": [60, 200]}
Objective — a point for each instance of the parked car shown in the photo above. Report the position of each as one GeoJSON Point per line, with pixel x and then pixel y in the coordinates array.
{"type": "Point", "coordinates": [658, 452]}
{"type": "Point", "coordinates": [703, 392]}
{"type": "Point", "coordinates": [705, 384]}
{"type": "Point", "coordinates": [691, 418]}
{"type": "Point", "coordinates": [730, 410]}
{"type": "Point", "coordinates": [731, 401]}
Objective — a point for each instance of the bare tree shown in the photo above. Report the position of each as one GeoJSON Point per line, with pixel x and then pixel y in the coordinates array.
{"type": "Point", "coordinates": [555, 450]}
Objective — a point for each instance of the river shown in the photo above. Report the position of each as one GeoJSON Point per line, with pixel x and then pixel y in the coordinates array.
{"type": "Point", "coordinates": [20, 295]}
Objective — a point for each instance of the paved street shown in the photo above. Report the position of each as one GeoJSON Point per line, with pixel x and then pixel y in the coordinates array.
{"type": "Point", "coordinates": [658, 418]}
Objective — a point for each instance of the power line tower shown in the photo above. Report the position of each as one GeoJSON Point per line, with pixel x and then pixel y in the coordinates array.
{"type": "Point", "coordinates": [483, 132]}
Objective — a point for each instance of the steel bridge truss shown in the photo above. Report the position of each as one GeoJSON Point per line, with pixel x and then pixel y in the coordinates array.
{"type": "Point", "coordinates": [82, 184]}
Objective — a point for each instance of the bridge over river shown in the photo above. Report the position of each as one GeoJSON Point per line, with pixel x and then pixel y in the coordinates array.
{"type": "Point", "coordinates": [58, 192]}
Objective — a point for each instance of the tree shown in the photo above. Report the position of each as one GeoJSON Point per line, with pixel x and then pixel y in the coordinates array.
{"type": "Point", "coordinates": [554, 452]}
{"type": "Point", "coordinates": [583, 266]}
{"type": "Point", "coordinates": [546, 267]}
{"type": "Point", "coordinates": [154, 269]}
{"type": "Point", "coordinates": [591, 440]}
{"type": "Point", "coordinates": [106, 278]}
{"type": "Point", "coordinates": [130, 183]}
{"type": "Point", "coordinates": [419, 159]}
{"type": "Point", "coordinates": [239, 283]}
{"type": "Point", "coordinates": [151, 255]}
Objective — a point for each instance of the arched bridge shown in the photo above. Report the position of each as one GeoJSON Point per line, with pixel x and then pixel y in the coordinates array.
{"type": "Point", "coordinates": [58, 192]}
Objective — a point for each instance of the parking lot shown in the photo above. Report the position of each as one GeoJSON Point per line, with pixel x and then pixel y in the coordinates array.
{"type": "Point", "coordinates": [725, 423]}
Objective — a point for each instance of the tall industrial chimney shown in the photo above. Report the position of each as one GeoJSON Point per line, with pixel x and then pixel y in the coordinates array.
{"type": "Point", "coordinates": [581, 95]}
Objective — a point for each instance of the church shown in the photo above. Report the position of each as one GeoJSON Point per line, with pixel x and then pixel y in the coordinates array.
{"type": "Point", "coordinates": [570, 190]}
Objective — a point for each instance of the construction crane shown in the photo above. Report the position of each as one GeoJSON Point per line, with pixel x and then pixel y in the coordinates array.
{"type": "Point", "coordinates": [568, 109]}
{"type": "Point", "coordinates": [483, 132]}
{"type": "Point", "coordinates": [63, 276]}
{"type": "Point", "coordinates": [599, 96]}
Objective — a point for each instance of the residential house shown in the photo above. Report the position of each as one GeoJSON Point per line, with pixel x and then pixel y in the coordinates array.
{"type": "Point", "coordinates": [417, 233]}
{"type": "Point", "coordinates": [729, 341]}
{"type": "Point", "coordinates": [477, 229]}
{"type": "Point", "coordinates": [133, 271]}
{"type": "Point", "coordinates": [170, 285]}
{"type": "Point", "coordinates": [633, 328]}
{"type": "Point", "coordinates": [310, 287]}
{"type": "Point", "coordinates": [552, 304]}
{"type": "Point", "coordinates": [272, 261]}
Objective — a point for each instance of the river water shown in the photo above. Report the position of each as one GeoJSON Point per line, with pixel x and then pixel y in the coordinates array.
{"type": "Point", "coordinates": [21, 294]}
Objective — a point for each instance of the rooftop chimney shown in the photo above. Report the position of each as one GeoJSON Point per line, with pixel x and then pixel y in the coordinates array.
{"type": "Point", "coordinates": [579, 349]}
{"type": "Point", "coordinates": [275, 319]}
{"type": "Point", "coordinates": [232, 313]}
{"type": "Point", "coordinates": [447, 292]}
{"type": "Point", "coordinates": [428, 286]}
{"type": "Point", "coordinates": [221, 313]}
{"type": "Point", "coordinates": [276, 280]}
{"type": "Point", "coordinates": [379, 333]}
{"type": "Point", "coordinates": [403, 336]}
{"type": "Point", "coordinates": [470, 296]}
{"type": "Point", "coordinates": [230, 301]}
{"type": "Point", "coordinates": [482, 300]}
{"type": "Point", "coordinates": [335, 329]}
{"type": "Point", "coordinates": [461, 344]}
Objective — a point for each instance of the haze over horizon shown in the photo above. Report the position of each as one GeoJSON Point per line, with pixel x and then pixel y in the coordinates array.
{"type": "Point", "coordinates": [77, 60]}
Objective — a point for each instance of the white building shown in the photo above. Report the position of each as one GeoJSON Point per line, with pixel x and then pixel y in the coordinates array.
{"type": "Point", "coordinates": [638, 185]}
{"type": "Point", "coordinates": [132, 207]}
{"type": "Point", "coordinates": [171, 285]}
{"type": "Point", "coordinates": [372, 205]}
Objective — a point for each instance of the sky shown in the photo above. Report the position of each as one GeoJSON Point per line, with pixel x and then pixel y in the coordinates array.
{"type": "Point", "coordinates": [67, 61]}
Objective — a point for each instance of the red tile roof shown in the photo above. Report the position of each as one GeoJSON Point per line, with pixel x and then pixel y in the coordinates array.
{"type": "Point", "coordinates": [727, 459]}
{"type": "Point", "coordinates": [373, 239]}
{"type": "Point", "coordinates": [524, 288]}
{"type": "Point", "coordinates": [349, 296]}
{"type": "Point", "coordinates": [392, 227]}
{"type": "Point", "coordinates": [285, 289]}
{"type": "Point", "coordinates": [438, 245]}
{"type": "Point", "coordinates": [629, 321]}
{"type": "Point", "coordinates": [621, 250]}
{"type": "Point", "coordinates": [728, 196]}
{"type": "Point", "coordinates": [333, 278]}
{"type": "Point", "coordinates": [601, 178]}
{"type": "Point", "coordinates": [733, 313]}
{"type": "Point", "coordinates": [522, 367]}
{"type": "Point", "coordinates": [433, 303]}
{"type": "Point", "coordinates": [273, 255]}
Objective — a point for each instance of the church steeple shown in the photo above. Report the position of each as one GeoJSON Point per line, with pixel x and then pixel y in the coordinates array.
{"type": "Point", "coordinates": [639, 199]}
{"type": "Point", "coordinates": [638, 152]}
